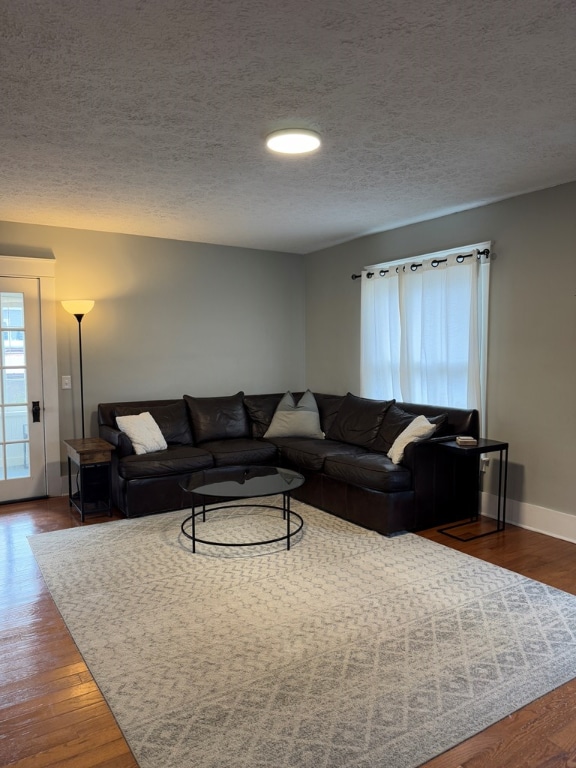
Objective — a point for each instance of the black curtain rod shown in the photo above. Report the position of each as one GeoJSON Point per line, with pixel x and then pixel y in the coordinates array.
{"type": "Point", "coordinates": [435, 262]}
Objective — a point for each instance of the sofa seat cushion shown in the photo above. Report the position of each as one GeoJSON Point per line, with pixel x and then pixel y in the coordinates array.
{"type": "Point", "coordinates": [312, 453]}
{"type": "Point", "coordinates": [372, 470]}
{"type": "Point", "coordinates": [175, 460]}
{"type": "Point", "coordinates": [241, 451]}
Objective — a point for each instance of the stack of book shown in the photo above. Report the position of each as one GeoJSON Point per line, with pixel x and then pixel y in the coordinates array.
{"type": "Point", "coordinates": [465, 440]}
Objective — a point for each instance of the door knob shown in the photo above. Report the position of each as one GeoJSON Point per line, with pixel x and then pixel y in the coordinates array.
{"type": "Point", "coordinates": [35, 410]}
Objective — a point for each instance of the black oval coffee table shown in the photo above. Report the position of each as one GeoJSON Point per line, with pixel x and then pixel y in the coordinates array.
{"type": "Point", "coordinates": [241, 482]}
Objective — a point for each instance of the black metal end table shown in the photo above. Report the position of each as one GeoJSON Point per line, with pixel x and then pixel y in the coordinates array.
{"type": "Point", "coordinates": [484, 445]}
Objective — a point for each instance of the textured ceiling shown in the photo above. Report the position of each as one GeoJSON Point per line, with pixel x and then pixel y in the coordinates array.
{"type": "Point", "coordinates": [148, 116]}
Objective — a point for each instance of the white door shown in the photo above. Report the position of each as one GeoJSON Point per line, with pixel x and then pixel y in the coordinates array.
{"type": "Point", "coordinates": [22, 439]}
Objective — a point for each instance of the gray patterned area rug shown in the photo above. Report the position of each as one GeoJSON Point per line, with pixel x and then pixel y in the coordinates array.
{"type": "Point", "coordinates": [349, 650]}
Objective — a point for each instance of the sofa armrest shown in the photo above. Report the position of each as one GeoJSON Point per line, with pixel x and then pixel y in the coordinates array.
{"type": "Point", "coordinates": [119, 440]}
{"type": "Point", "coordinates": [418, 455]}
{"type": "Point", "coordinates": [445, 484]}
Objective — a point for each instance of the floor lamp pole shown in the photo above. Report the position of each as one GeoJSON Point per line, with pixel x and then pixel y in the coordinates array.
{"type": "Point", "coordinates": [79, 318]}
{"type": "Point", "coordinates": [79, 308]}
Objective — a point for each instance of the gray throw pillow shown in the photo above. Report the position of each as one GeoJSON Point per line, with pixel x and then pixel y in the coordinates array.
{"type": "Point", "coordinates": [296, 420]}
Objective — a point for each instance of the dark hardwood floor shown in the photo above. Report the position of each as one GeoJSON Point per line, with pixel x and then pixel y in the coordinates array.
{"type": "Point", "coordinates": [52, 713]}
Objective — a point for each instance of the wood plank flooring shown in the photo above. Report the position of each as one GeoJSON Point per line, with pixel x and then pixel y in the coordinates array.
{"type": "Point", "coordinates": [52, 713]}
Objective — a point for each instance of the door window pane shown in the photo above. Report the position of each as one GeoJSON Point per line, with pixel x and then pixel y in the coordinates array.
{"type": "Point", "coordinates": [16, 421]}
{"type": "Point", "coordinates": [12, 310]}
{"type": "Point", "coordinates": [14, 385]}
{"type": "Point", "coordinates": [13, 353]}
{"type": "Point", "coordinates": [17, 460]}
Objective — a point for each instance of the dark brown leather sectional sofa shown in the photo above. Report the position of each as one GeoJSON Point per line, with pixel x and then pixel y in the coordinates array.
{"type": "Point", "coordinates": [348, 473]}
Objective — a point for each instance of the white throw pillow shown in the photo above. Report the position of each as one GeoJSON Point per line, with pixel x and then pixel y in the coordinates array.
{"type": "Point", "coordinates": [419, 429]}
{"type": "Point", "coordinates": [296, 420]}
{"type": "Point", "coordinates": [143, 432]}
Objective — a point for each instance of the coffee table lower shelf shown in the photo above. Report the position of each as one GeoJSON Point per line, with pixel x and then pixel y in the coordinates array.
{"type": "Point", "coordinates": [287, 514]}
{"type": "Point", "coordinates": [230, 484]}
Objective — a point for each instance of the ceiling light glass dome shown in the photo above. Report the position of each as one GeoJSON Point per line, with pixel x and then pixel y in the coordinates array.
{"type": "Point", "coordinates": [293, 141]}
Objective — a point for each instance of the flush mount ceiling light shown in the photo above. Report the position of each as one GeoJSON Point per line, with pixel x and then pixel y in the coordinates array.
{"type": "Point", "coordinates": [293, 141]}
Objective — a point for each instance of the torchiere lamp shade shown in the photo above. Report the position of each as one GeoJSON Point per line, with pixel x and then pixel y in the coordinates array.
{"type": "Point", "coordinates": [78, 306]}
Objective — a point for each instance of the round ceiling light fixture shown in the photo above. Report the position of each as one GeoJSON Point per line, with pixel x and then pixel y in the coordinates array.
{"type": "Point", "coordinates": [293, 141]}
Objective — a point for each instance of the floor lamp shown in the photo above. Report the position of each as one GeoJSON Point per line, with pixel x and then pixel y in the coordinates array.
{"type": "Point", "coordinates": [79, 308]}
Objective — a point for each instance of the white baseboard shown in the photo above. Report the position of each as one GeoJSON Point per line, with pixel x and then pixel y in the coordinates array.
{"type": "Point", "coordinates": [560, 525]}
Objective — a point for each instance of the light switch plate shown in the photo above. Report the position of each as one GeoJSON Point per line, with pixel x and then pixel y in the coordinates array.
{"type": "Point", "coordinates": [66, 382]}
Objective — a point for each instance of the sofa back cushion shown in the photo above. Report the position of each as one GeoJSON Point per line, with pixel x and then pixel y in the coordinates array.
{"type": "Point", "coordinates": [261, 409]}
{"type": "Point", "coordinates": [459, 421]}
{"type": "Point", "coordinates": [218, 418]}
{"type": "Point", "coordinates": [395, 421]}
{"type": "Point", "coordinates": [358, 420]}
{"type": "Point", "coordinates": [107, 411]}
{"type": "Point", "coordinates": [328, 407]}
{"type": "Point", "coordinates": [172, 420]}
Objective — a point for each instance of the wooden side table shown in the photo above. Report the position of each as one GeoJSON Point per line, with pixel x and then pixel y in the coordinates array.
{"type": "Point", "coordinates": [484, 445]}
{"type": "Point", "coordinates": [92, 457]}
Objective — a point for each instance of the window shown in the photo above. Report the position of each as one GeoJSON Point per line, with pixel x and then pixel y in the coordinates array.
{"type": "Point", "coordinates": [424, 328]}
{"type": "Point", "coordinates": [14, 435]}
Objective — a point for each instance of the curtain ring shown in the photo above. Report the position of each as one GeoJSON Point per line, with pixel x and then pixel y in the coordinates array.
{"type": "Point", "coordinates": [383, 272]}
{"type": "Point", "coordinates": [369, 274]}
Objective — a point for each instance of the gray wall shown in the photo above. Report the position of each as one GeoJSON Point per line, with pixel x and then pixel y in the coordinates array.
{"type": "Point", "coordinates": [532, 333]}
{"type": "Point", "coordinates": [174, 318]}
{"type": "Point", "coordinates": [170, 318]}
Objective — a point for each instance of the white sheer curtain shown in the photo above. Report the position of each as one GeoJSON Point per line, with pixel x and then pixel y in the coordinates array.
{"type": "Point", "coordinates": [424, 331]}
